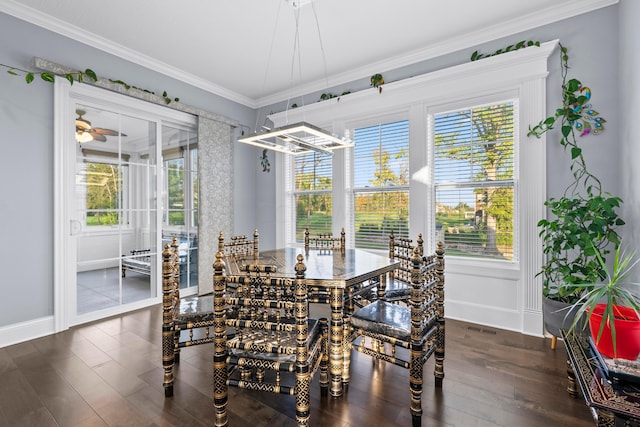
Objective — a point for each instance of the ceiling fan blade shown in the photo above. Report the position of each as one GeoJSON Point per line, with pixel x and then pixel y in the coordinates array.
{"type": "Point", "coordinates": [97, 136]}
{"type": "Point", "coordinates": [108, 132]}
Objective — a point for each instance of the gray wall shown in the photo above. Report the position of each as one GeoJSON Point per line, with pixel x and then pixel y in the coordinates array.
{"type": "Point", "coordinates": [629, 111]}
{"type": "Point", "coordinates": [26, 136]}
{"type": "Point", "coordinates": [26, 143]}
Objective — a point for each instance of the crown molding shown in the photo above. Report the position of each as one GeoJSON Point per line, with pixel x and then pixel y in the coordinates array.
{"type": "Point", "coordinates": [508, 69]}
{"type": "Point", "coordinates": [50, 23]}
{"type": "Point", "coordinates": [504, 29]}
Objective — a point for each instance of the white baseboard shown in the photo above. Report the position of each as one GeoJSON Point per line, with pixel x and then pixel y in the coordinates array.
{"type": "Point", "coordinates": [20, 332]}
{"type": "Point", "coordinates": [481, 314]}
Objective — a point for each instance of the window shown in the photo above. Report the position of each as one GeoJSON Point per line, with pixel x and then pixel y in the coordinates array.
{"type": "Point", "coordinates": [102, 185]}
{"type": "Point", "coordinates": [175, 191]}
{"type": "Point", "coordinates": [474, 180]}
{"type": "Point", "coordinates": [180, 180]}
{"type": "Point", "coordinates": [381, 183]}
{"type": "Point", "coordinates": [312, 194]}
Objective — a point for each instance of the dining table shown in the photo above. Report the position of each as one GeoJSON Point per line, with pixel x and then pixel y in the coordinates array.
{"type": "Point", "coordinates": [337, 272]}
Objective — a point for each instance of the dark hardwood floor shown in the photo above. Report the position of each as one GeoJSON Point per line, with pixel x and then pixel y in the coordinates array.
{"type": "Point", "coordinates": [109, 373]}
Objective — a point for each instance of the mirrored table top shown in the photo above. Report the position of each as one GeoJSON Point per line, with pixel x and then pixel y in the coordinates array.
{"type": "Point", "coordinates": [324, 267]}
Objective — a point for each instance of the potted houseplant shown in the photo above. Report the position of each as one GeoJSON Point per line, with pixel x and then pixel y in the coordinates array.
{"type": "Point", "coordinates": [611, 308]}
{"type": "Point", "coordinates": [582, 228]}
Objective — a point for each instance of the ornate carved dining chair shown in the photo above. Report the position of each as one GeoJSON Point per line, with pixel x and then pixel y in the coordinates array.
{"type": "Point", "coordinates": [398, 284]}
{"type": "Point", "coordinates": [239, 245]}
{"type": "Point", "coordinates": [264, 338]}
{"type": "Point", "coordinates": [185, 322]}
{"type": "Point", "coordinates": [328, 245]}
{"type": "Point", "coordinates": [325, 241]}
{"type": "Point", "coordinates": [416, 330]}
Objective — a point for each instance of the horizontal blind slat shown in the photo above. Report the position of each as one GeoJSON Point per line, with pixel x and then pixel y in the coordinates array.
{"type": "Point", "coordinates": [474, 180]}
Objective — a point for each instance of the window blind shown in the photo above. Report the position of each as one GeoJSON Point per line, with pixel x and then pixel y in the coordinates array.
{"type": "Point", "coordinates": [381, 183]}
{"type": "Point", "coordinates": [474, 180]}
{"type": "Point", "coordinates": [312, 194]}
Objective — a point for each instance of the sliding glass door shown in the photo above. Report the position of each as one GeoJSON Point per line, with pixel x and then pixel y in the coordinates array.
{"type": "Point", "coordinates": [131, 186]}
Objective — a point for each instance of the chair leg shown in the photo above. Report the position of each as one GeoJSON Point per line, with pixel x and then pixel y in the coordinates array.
{"type": "Point", "coordinates": [220, 388]}
{"type": "Point", "coordinates": [415, 382]}
{"type": "Point", "coordinates": [554, 341]}
{"type": "Point", "coordinates": [324, 361]}
{"type": "Point", "coordinates": [303, 395]}
{"type": "Point", "coordinates": [168, 359]}
{"type": "Point", "coordinates": [439, 356]}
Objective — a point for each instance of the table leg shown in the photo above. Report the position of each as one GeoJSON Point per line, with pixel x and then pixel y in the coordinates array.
{"type": "Point", "coordinates": [571, 384]}
{"type": "Point", "coordinates": [382, 285]}
{"type": "Point", "coordinates": [346, 361]}
{"type": "Point", "coordinates": [336, 342]}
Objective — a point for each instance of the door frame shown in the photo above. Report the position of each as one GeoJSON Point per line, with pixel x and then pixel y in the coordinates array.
{"type": "Point", "coordinates": [65, 271]}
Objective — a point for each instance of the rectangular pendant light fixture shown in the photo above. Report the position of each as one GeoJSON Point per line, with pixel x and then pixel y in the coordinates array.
{"type": "Point", "coordinates": [297, 138]}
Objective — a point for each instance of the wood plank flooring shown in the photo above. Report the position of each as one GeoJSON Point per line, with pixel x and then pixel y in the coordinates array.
{"type": "Point", "coordinates": [109, 373]}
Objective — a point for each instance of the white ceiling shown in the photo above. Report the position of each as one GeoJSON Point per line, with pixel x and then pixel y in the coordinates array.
{"type": "Point", "coordinates": [244, 49]}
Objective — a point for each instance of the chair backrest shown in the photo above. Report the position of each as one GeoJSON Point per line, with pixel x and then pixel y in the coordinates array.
{"type": "Point", "coordinates": [265, 312]}
{"type": "Point", "coordinates": [170, 285]}
{"type": "Point", "coordinates": [324, 241]}
{"type": "Point", "coordinates": [239, 245]}
{"type": "Point", "coordinates": [171, 270]}
{"type": "Point", "coordinates": [427, 290]}
{"type": "Point", "coordinates": [401, 249]}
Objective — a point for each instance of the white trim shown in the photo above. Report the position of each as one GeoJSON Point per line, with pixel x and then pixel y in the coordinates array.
{"type": "Point", "coordinates": [504, 294]}
{"type": "Point", "coordinates": [559, 12]}
{"type": "Point", "coordinates": [25, 331]}
{"type": "Point", "coordinates": [56, 25]}
{"type": "Point", "coordinates": [506, 70]}
{"type": "Point", "coordinates": [65, 248]}
{"type": "Point", "coordinates": [550, 15]}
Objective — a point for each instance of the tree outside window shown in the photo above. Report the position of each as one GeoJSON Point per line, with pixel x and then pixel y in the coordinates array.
{"type": "Point", "coordinates": [474, 180]}
{"type": "Point", "coordinates": [313, 198]}
{"type": "Point", "coordinates": [103, 186]}
{"type": "Point", "coordinates": [381, 183]}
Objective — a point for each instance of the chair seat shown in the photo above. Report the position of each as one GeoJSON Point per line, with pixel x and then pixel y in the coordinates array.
{"type": "Point", "coordinates": [384, 318]}
{"type": "Point", "coordinates": [397, 289]}
{"type": "Point", "coordinates": [283, 351]}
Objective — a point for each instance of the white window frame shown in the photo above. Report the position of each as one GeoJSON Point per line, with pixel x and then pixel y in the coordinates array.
{"type": "Point", "coordinates": [505, 294]}
{"type": "Point", "coordinates": [496, 98]}
{"type": "Point", "coordinates": [123, 215]}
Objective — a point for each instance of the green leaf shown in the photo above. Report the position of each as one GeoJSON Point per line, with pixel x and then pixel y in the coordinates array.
{"type": "Point", "coordinates": [13, 73]}
{"type": "Point", "coordinates": [474, 55]}
{"type": "Point", "coordinates": [164, 94]}
{"type": "Point", "coordinates": [575, 152]}
{"type": "Point", "coordinates": [69, 78]}
{"type": "Point", "coordinates": [89, 72]}
{"type": "Point", "coordinates": [29, 77]}
{"type": "Point", "coordinates": [566, 130]}
{"type": "Point", "coordinates": [573, 85]}
{"type": "Point", "coordinates": [47, 77]}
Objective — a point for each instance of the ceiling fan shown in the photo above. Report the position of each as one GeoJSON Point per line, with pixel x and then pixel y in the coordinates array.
{"type": "Point", "coordinates": [86, 133]}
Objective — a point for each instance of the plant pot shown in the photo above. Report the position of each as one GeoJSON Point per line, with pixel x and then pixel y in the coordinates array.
{"type": "Point", "coordinates": [627, 333]}
{"type": "Point", "coordinates": [559, 315]}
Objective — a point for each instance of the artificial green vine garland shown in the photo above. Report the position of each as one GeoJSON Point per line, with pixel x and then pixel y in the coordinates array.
{"type": "Point", "coordinates": [79, 76]}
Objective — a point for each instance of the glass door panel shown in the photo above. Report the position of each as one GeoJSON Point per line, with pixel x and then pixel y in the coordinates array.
{"type": "Point", "coordinates": [179, 219]}
{"type": "Point", "coordinates": [116, 209]}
